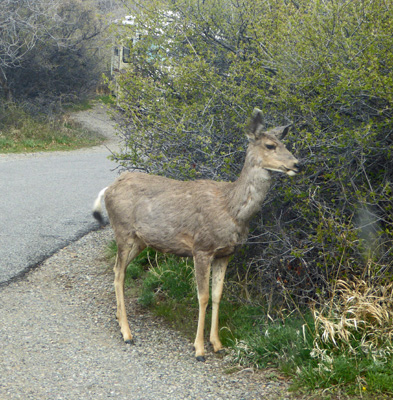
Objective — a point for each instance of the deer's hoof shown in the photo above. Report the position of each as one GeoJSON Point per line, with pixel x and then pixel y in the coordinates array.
{"type": "Point", "coordinates": [221, 351]}
{"type": "Point", "coordinates": [129, 341]}
{"type": "Point", "coordinates": [201, 358]}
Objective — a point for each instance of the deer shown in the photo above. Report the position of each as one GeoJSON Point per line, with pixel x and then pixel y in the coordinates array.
{"type": "Point", "coordinates": [203, 219]}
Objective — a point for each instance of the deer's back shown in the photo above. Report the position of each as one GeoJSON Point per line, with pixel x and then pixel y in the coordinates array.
{"type": "Point", "coordinates": [173, 216]}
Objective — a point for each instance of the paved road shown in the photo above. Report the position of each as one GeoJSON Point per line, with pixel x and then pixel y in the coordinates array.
{"type": "Point", "coordinates": [46, 200]}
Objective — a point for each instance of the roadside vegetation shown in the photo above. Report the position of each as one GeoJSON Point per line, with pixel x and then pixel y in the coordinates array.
{"type": "Point", "coordinates": [51, 60]}
{"type": "Point", "coordinates": [20, 132]}
{"type": "Point", "coordinates": [315, 278]}
{"type": "Point", "coordinates": [339, 350]}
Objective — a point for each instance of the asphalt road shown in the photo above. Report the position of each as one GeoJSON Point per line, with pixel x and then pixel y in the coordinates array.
{"type": "Point", "coordinates": [46, 200]}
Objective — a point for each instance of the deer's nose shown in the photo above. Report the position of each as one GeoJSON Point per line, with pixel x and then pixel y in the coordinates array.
{"type": "Point", "coordinates": [298, 166]}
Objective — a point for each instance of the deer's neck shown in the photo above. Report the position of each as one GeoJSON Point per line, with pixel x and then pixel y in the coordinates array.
{"type": "Point", "coordinates": [250, 189]}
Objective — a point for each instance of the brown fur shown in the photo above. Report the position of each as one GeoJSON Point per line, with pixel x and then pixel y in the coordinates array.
{"type": "Point", "coordinates": [202, 219]}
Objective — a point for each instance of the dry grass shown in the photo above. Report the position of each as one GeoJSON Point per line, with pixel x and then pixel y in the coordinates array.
{"type": "Point", "coordinates": [358, 314]}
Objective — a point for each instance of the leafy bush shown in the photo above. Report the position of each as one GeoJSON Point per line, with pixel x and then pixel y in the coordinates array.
{"type": "Point", "coordinates": [49, 52]}
{"type": "Point", "coordinates": [196, 74]}
{"type": "Point", "coordinates": [325, 66]}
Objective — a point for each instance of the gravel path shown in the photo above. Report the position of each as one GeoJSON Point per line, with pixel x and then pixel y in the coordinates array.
{"type": "Point", "coordinates": [98, 120]}
{"type": "Point", "coordinates": [59, 338]}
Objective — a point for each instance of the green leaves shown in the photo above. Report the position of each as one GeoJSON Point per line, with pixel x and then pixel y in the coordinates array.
{"type": "Point", "coordinates": [326, 67]}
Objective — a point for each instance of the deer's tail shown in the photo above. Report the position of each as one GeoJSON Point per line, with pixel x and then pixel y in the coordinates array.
{"type": "Point", "coordinates": [97, 207]}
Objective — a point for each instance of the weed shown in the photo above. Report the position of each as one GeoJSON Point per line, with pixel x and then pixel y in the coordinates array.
{"type": "Point", "coordinates": [111, 250]}
{"type": "Point", "coordinates": [284, 344]}
{"type": "Point", "coordinates": [81, 105]}
{"type": "Point", "coordinates": [172, 276]}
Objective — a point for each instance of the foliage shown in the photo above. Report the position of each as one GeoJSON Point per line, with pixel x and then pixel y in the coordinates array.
{"type": "Point", "coordinates": [21, 28]}
{"type": "Point", "coordinates": [168, 276]}
{"type": "Point", "coordinates": [198, 70]}
{"type": "Point", "coordinates": [48, 50]}
{"type": "Point", "coordinates": [284, 344]}
{"type": "Point", "coordinates": [196, 73]}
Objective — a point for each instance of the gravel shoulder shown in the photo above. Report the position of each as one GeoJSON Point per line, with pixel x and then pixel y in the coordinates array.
{"type": "Point", "coordinates": [60, 340]}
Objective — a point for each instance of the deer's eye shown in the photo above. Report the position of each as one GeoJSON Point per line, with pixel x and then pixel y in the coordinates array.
{"type": "Point", "coordinates": [270, 146]}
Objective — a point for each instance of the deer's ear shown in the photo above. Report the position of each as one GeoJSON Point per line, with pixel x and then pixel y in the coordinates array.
{"type": "Point", "coordinates": [280, 131]}
{"type": "Point", "coordinates": [254, 128]}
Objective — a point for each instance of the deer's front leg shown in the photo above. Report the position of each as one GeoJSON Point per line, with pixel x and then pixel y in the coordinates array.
{"type": "Point", "coordinates": [219, 267]}
{"type": "Point", "coordinates": [202, 273]}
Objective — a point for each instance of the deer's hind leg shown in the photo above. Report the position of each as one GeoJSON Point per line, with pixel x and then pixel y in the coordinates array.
{"type": "Point", "coordinates": [219, 267]}
{"type": "Point", "coordinates": [125, 254]}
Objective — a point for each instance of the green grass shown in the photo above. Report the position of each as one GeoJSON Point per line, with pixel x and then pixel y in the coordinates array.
{"type": "Point", "coordinates": [108, 100]}
{"type": "Point", "coordinates": [82, 105]}
{"type": "Point", "coordinates": [297, 344]}
{"type": "Point", "coordinates": [21, 132]}
{"type": "Point", "coordinates": [364, 376]}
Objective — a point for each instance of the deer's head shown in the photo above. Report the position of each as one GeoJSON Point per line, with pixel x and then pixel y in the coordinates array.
{"type": "Point", "coordinates": [267, 149]}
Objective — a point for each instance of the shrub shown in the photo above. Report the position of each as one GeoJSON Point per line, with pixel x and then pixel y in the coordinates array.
{"type": "Point", "coordinates": [196, 74]}
{"type": "Point", "coordinates": [49, 51]}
